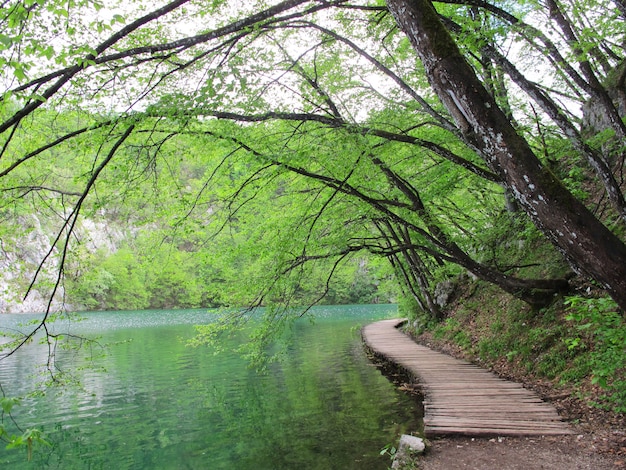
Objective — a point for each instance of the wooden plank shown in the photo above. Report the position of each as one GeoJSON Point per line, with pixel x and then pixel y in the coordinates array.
{"type": "Point", "coordinates": [460, 397]}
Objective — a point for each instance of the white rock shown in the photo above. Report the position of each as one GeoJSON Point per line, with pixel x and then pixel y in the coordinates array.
{"type": "Point", "coordinates": [409, 446]}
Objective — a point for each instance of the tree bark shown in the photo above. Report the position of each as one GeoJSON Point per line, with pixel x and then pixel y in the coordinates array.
{"type": "Point", "coordinates": [587, 244]}
{"type": "Point", "coordinates": [599, 165]}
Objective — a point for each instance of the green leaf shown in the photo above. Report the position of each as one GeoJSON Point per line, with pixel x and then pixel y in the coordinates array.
{"type": "Point", "coordinates": [7, 403]}
{"type": "Point", "coordinates": [18, 71]}
{"type": "Point", "coordinates": [6, 40]}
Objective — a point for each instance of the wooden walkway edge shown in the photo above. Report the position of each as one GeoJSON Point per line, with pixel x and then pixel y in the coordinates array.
{"type": "Point", "coordinates": [459, 397]}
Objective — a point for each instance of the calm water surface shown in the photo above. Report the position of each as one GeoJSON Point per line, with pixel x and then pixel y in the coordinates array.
{"type": "Point", "coordinates": [159, 404]}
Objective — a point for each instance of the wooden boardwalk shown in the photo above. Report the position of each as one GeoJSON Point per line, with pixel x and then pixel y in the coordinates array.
{"type": "Point", "coordinates": [461, 398]}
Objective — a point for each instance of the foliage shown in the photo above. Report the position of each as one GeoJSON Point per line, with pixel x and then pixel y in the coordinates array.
{"type": "Point", "coordinates": [602, 334]}
{"type": "Point", "coordinates": [314, 158]}
{"type": "Point", "coordinates": [390, 450]}
{"type": "Point", "coordinates": [27, 439]}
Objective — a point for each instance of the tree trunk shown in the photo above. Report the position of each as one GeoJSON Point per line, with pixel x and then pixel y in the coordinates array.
{"type": "Point", "coordinates": [587, 244]}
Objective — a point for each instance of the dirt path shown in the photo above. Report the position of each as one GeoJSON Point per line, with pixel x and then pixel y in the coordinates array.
{"type": "Point", "coordinates": [553, 453]}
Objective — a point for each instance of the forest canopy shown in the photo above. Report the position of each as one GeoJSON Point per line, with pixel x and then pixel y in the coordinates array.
{"type": "Point", "coordinates": [294, 148]}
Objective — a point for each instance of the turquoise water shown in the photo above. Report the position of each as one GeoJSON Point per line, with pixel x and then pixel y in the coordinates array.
{"type": "Point", "coordinates": [159, 404]}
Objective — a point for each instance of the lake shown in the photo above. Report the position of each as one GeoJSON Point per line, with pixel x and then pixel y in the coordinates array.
{"type": "Point", "coordinates": [152, 402]}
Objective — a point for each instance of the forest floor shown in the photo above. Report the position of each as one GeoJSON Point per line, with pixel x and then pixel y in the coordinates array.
{"type": "Point", "coordinates": [598, 442]}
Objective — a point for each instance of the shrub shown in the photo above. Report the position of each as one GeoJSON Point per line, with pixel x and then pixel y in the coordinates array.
{"type": "Point", "coordinates": [601, 330]}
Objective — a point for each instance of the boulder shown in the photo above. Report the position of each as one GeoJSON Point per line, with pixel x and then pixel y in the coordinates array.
{"type": "Point", "coordinates": [443, 292]}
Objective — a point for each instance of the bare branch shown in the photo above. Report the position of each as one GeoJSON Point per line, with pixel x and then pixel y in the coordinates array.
{"type": "Point", "coordinates": [68, 226]}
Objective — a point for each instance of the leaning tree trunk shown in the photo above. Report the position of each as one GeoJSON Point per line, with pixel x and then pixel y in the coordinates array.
{"type": "Point", "coordinates": [580, 236]}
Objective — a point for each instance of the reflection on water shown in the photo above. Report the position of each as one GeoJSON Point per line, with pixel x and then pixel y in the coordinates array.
{"type": "Point", "coordinates": [161, 405]}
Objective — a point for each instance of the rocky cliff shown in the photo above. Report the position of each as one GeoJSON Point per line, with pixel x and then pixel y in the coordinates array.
{"type": "Point", "coordinates": [28, 254]}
